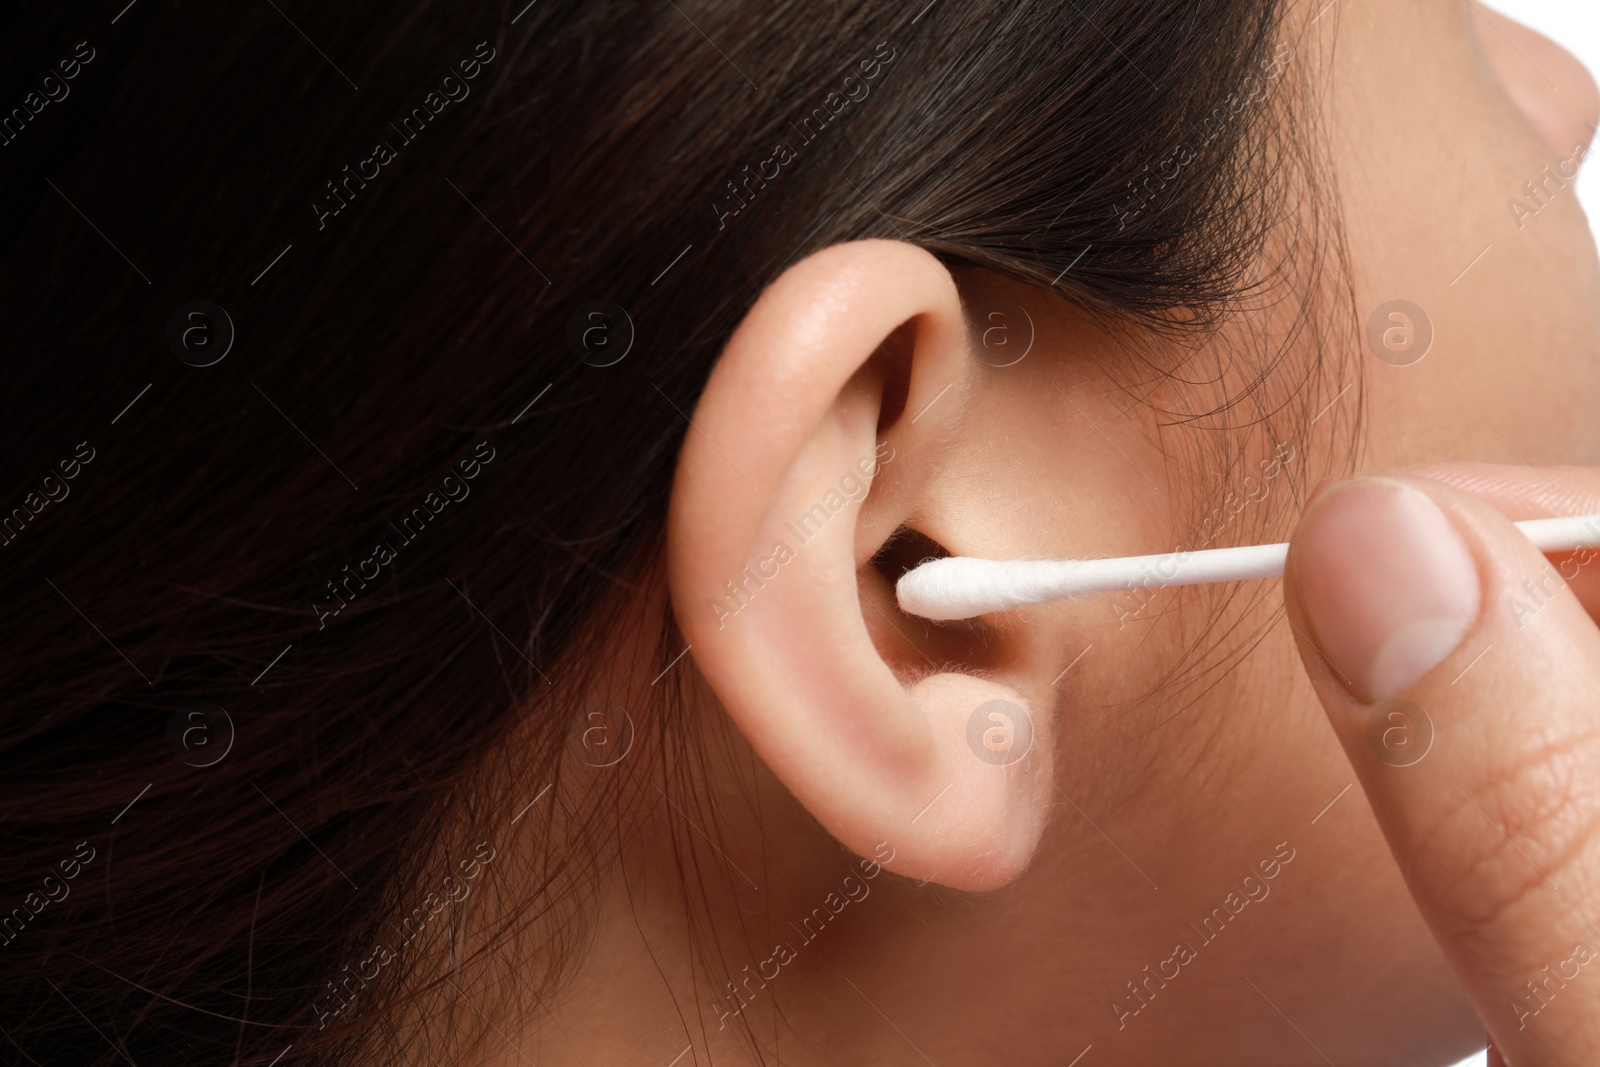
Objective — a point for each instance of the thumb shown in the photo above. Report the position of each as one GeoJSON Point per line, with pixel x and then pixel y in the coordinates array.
{"type": "Point", "coordinates": [1463, 679]}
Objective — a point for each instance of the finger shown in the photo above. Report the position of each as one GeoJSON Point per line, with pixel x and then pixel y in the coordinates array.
{"type": "Point", "coordinates": [1475, 731]}
{"type": "Point", "coordinates": [1519, 492]}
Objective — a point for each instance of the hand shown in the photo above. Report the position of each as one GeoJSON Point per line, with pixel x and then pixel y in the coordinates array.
{"type": "Point", "coordinates": [1461, 671]}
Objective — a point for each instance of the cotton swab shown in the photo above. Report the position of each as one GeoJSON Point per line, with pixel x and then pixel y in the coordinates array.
{"type": "Point", "coordinates": [961, 587]}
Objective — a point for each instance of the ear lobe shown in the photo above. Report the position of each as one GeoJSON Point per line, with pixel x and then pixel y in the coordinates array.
{"type": "Point", "coordinates": [770, 523]}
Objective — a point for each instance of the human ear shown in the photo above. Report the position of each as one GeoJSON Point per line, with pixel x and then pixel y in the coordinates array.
{"type": "Point", "coordinates": [859, 362]}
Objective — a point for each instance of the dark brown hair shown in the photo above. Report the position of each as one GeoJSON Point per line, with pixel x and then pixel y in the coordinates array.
{"type": "Point", "coordinates": [475, 264]}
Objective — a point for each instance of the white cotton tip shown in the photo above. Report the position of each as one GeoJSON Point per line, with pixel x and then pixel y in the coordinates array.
{"type": "Point", "coordinates": [958, 587]}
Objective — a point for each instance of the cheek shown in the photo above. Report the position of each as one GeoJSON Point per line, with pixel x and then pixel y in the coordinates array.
{"type": "Point", "coordinates": [1512, 295]}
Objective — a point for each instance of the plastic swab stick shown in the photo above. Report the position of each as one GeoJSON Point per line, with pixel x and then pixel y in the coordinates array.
{"type": "Point", "coordinates": [961, 587]}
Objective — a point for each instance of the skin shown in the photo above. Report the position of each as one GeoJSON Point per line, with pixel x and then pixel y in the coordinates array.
{"type": "Point", "coordinates": [1016, 903]}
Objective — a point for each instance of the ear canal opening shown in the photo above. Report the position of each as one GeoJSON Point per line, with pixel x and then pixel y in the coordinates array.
{"type": "Point", "coordinates": [905, 549]}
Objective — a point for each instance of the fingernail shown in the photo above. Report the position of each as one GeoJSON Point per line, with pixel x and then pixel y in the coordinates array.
{"type": "Point", "coordinates": [1387, 584]}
